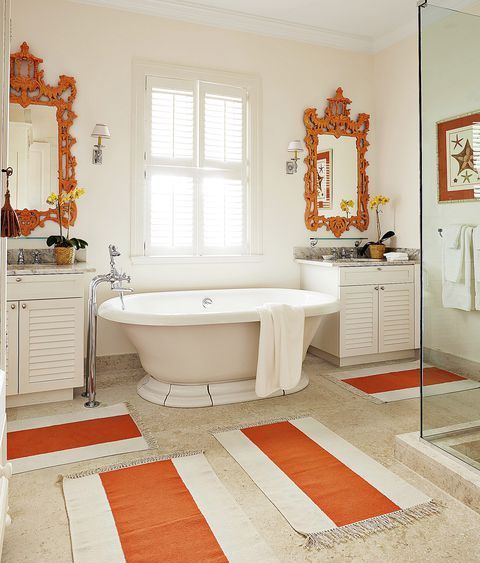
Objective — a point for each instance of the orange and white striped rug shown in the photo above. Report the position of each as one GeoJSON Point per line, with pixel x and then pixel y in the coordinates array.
{"type": "Point", "coordinates": [395, 382]}
{"type": "Point", "coordinates": [171, 508]}
{"type": "Point", "coordinates": [56, 440]}
{"type": "Point", "coordinates": [327, 489]}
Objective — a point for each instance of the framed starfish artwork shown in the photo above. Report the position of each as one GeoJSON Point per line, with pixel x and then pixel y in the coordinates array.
{"type": "Point", "coordinates": [459, 158]}
{"type": "Point", "coordinates": [324, 179]}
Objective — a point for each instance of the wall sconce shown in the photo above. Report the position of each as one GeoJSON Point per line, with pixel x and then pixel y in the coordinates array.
{"type": "Point", "coordinates": [100, 131]}
{"type": "Point", "coordinates": [292, 164]}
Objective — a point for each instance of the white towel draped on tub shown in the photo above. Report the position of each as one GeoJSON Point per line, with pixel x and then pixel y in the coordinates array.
{"type": "Point", "coordinates": [458, 272]}
{"type": "Point", "coordinates": [476, 265]}
{"type": "Point", "coordinates": [280, 348]}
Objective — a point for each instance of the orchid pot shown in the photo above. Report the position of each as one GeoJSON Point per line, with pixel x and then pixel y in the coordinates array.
{"type": "Point", "coordinates": [376, 251]}
{"type": "Point", "coordinates": [64, 255]}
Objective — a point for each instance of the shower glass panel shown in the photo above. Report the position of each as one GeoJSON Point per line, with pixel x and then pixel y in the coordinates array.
{"type": "Point", "coordinates": [450, 143]}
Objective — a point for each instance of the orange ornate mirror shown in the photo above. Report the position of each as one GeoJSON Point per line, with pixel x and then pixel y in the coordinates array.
{"type": "Point", "coordinates": [336, 178]}
{"type": "Point", "coordinates": [40, 141]}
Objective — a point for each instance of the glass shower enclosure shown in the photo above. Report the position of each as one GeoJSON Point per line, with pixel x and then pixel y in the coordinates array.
{"type": "Point", "coordinates": [450, 194]}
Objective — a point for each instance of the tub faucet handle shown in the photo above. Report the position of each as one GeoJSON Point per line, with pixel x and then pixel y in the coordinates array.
{"type": "Point", "coordinates": [112, 249]}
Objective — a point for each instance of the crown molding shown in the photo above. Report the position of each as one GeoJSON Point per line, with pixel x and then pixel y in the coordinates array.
{"type": "Point", "coordinates": [238, 21]}
{"type": "Point", "coordinates": [388, 39]}
{"type": "Point", "coordinates": [442, 9]}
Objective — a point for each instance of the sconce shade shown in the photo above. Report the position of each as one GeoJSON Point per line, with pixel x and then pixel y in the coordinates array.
{"type": "Point", "coordinates": [101, 131]}
{"type": "Point", "coordinates": [295, 146]}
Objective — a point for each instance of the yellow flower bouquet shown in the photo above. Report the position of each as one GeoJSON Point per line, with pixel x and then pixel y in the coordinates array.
{"type": "Point", "coordinates": [346, 205]}
{"type": "Point", "coordinates": [64, 245]}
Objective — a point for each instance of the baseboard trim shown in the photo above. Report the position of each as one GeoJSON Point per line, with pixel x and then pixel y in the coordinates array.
{"type": "Point", "coordinates": [450, 362]}
{"type": "Point", "coordinates": [364, 359]}
{"type": "Point", "coordinates": [39, 398]}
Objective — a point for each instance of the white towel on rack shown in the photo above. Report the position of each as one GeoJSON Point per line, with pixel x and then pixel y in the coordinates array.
{"type": "Point", "coordinates": [459, 294]}
{"type": "Point", "coordinates": [280, 348]}
{"type": "Point", "coordinates": [476, 265]}
{"type": "Point", "coordinates": [451, 236]}
{"type": "Point", "coordinates": [453, 253]}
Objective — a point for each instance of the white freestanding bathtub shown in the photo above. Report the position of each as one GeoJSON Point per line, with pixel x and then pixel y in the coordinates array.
{"type": "Point", "coordinates": [200, 348]}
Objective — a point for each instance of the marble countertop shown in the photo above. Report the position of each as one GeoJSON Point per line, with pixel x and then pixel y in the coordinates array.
{"type": "Point", "coordinates": [354, 263]}
{"type": "Point", "coordinates": [48, 269]}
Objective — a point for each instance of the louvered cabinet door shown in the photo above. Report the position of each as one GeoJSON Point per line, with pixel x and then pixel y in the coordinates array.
{"type": "Point", "coordinates": [359, 320]}
{"type": "Point", "coordinates": [396, 317]}
{"type": "Point", "coordinates": [50, 344]}
{"type": "Point", "coordinates": [12, 348]}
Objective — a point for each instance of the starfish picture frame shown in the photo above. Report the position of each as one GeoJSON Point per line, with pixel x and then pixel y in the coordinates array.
{"type": "Point", "coordinates": [325, 179]}
{"type": "Point", "coordinates": [458, 141]}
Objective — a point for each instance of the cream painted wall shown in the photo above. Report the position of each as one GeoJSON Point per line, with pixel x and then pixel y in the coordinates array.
{"type": "Point", "coordinates": [397, 173]}
{"type": "Point", "coordinates": [446, 94]}
{"type": "Point", "coordinates": [97, 45]}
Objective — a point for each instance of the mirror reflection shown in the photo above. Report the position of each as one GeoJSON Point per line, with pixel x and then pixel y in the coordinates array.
{"type": "Point", "coordinates": [336, 182]}
{"type": "Point", "coordinates": [336, 172]}
{"type": "Point", "coordinates": [33, 153]}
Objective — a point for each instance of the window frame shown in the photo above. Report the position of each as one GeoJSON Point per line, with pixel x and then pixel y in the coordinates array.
{"type": "Point", "coordinates": [142, 69]}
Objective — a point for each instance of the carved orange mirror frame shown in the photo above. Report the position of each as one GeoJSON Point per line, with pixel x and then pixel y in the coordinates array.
{"type": "Point", "coordinates": [27, 87]}
{"type": "Point", "coordinates": [336, 121]}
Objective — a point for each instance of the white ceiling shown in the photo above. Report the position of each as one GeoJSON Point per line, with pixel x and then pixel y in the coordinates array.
{"type": "Point", "coordinates": [362, 25]}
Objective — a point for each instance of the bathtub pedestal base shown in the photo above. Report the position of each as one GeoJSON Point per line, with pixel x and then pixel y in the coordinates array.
{"type": "Point", "coordinates": [188, 396]}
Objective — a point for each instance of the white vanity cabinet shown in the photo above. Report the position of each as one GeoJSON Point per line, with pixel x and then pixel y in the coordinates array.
{"type": "Point", "coordinates": [5, 468]}
{"type": "Point", "coordinates": [377, 319]}
{"type": "Point", "coordinates": [45, 337]}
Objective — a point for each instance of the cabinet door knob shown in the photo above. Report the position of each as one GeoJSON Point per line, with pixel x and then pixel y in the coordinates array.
{"type": "Point", "coordinates": [12, 306]}
{"type": "Point", "coordinates": [24, 305]}
{"type": "Point", "coordinates": [376, 288]}
{"type": "Point", "coordinates": [382, 288]}
{"type": "Point", "coordinates": [379, 269]}
{"type": "Point", "coordinates": [18, 279]}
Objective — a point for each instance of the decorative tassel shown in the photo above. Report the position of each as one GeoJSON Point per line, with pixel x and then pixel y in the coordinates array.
{"type": "Point", "coordinates": [219, 430]}
{"type": "Point", "coordinates": [10, 226]}
{"type": "Point", "coordinates": [127, 464]}
{"type": "Point", "coordinates": [365, 528]}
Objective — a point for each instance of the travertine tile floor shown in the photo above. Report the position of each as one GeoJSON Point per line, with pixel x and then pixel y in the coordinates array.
{"type": "Point", "coordinates": [39, 533]}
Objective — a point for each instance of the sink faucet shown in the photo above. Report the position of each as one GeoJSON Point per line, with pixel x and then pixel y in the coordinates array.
{"type": "Point", "coordinates": [115, 279]}
{"type": "Point", "coordinates": [21, 257]}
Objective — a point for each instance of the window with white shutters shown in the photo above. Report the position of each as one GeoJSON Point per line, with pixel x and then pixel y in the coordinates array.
{"type": "Point", "coordinates": [198, 163]}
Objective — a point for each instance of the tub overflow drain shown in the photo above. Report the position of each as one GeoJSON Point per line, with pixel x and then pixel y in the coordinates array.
{"type": "Point", "coordinates": [207, 302]}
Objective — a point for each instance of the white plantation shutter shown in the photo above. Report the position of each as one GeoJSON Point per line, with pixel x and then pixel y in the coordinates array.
{"type": "Point", "coordinates": [172, 124]}
{"type": "Point", "coordinates": [172, 213]}
{"type": "Point", "coordinates": [196, 168]}
{"type": "Point", "coordinates": [223, 207]}
{"type": "Point", "coordinates": [223, 129]}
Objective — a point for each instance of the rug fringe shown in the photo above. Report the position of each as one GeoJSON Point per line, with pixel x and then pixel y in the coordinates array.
{"type": "Point", "coordinates": [365, 528]}
{"type": "Point", "coordinates": [259, 423]}
{"type": "Point", "coordinates": [127, 464]}
{"type": "Point", "coordinates": [138, 419]}
{"type": "Point", "coordinates": [354, 390]}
